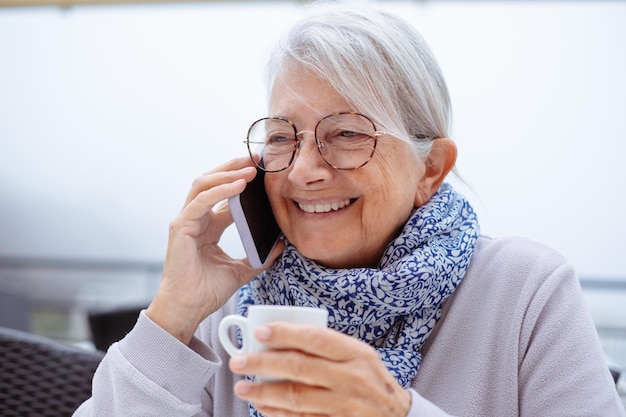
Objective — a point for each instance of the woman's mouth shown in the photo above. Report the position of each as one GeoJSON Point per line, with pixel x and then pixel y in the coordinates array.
{"type": "Point", "coordinates": [325, 207]}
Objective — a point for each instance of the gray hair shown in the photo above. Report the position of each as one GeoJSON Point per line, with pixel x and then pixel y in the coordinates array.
{"type": "Point", "coordinates": [379, 63]}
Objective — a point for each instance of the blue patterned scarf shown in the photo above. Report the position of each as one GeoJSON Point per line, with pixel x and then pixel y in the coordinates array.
{"type": "Point", "coordinates": [394, 307]}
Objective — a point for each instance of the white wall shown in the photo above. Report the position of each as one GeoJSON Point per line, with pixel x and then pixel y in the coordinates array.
{"type": "Point", "coordinates": [108, 113]}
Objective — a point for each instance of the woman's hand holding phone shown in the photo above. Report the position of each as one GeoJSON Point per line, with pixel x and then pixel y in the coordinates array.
{"type": "Point", "coordinates": [198, 276]}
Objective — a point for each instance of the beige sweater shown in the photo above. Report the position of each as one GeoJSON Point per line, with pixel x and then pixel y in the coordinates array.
{"type": "Point", "coordinates": [515, 339]}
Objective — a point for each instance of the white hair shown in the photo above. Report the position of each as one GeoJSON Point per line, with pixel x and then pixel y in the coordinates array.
{"type": "Point", "coordinates": [378, 62]}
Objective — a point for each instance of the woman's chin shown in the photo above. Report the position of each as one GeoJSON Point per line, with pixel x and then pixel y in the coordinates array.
{"type": "Point", "coordinates": [321, 255]}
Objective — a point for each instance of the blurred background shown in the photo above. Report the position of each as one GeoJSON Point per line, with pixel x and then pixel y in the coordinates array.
{"type": "Point", "coordinates": [109, 111]}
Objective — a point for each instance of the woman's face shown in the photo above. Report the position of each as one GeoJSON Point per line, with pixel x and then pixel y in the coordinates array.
{"type": "Point", "coordinates": [373, 201]}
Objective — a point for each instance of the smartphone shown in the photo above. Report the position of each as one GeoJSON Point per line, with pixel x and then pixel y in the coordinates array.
{"type": "Point", "coordinates": [255, 220]}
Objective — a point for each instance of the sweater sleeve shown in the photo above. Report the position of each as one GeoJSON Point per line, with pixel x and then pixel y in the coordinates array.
{"type": "Point", "coordinates": [149, 373]}
{"type": "Point", "coordinates": [421, 407]}
{"type": "Point", "coordinates": [562, 370]}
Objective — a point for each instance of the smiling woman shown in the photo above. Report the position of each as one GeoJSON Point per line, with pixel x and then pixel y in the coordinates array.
{"type": "Point", "coordinates": [400, 268]}
{"type": "Point", "coordinates": [101, 131]}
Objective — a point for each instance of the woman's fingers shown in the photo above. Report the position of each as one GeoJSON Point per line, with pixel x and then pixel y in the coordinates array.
{"type": "Point", "coordinates": [208, 197]}
{"type": "Point", "coordinates": [225, 173]}
{"type": "Point", "coordinates": [316, 361]}
{"type": "Point", "coordinates": [314, 340]}
{"type": "Point", "coordinates": [310, 401]}
{"type": "Point", "coordinates": [308, 355]}
{"type": "Point", "coordinates": [206, 200]}
{"type": "Point", "coordinates": [287, 365]}
{"type": "Point", "coordinates": [303, 353]}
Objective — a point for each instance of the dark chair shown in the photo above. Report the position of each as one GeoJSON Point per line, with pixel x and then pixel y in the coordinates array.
{"type": "Point", "coordinates": [110, 326]}
{"type": "Point", "coordinates": [41, 377]}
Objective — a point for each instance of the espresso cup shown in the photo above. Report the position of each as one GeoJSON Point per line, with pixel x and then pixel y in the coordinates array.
{"type": "Point", "coordinates": [262, 314]}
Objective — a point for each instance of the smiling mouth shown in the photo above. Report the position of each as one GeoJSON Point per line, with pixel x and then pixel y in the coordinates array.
{"type": "Point", "coordinates": [326, 207]}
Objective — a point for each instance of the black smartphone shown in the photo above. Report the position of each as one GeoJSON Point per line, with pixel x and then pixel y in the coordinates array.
{"type": "Point", "coordinates": [255, 220]}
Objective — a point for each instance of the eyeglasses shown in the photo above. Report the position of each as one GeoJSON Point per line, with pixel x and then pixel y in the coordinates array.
{"type": "Point", "coordinates": [345, 140]}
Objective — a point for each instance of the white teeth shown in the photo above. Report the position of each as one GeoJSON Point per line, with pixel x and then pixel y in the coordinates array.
{"type": "Point", "coordinates": [324, 208]}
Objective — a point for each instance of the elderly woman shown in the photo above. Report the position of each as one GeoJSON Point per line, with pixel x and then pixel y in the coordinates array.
{"type": "Point", "coordinates": [426, 317]}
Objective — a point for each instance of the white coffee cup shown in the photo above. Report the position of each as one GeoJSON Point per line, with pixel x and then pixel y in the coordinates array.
{"type": "Point", "coordinates": [263, 314]}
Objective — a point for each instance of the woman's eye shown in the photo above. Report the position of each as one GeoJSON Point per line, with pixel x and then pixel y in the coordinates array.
{"type": "Point", "coordinates": [348, 133]}
{"type": "Point", "coordinates": [279, 139]}
{"type": "Point", "coordinates": [345, 134]}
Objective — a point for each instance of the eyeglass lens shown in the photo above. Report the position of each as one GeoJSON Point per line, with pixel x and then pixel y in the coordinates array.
{"type": "Point", "coordinates": [345, 141]}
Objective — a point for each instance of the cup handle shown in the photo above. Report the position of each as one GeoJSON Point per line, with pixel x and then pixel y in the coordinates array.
{"type": "Point", "coordinates": [224, 335]}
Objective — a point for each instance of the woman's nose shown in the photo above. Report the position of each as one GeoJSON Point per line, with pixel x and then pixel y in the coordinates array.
{"type": "Point", "coordinates": [308, 165]}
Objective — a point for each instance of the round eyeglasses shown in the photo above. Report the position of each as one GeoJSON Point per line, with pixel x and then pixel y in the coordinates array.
{"type": "Point", "coordinates": [345, 140]}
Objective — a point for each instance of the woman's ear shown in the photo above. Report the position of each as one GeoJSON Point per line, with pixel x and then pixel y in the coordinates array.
{"type": "Point", "coordinates": [438, 163]}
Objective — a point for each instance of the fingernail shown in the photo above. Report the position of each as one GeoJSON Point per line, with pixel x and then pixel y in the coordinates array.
{"type": "Point", "coordinates": [238, 362]}
{"type": "Point", "coordinates": [242, 387]}
{"type": "Point", "coordinates": [263, 332]}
